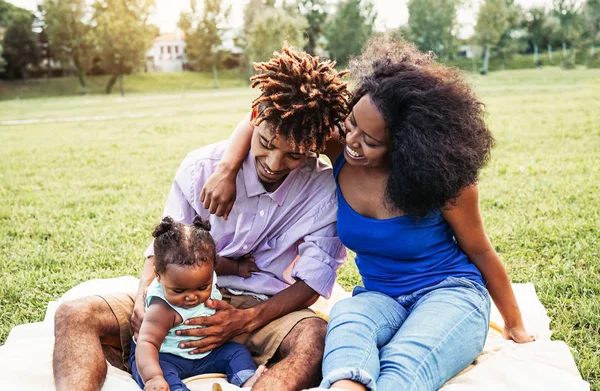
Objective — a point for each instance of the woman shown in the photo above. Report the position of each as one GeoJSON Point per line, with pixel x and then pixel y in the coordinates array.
{"type": "Point", "coordinates": [408, 205]}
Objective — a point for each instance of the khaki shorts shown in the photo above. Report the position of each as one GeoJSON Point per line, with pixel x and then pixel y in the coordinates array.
{"type": "Point", "coordinates": [262, 343]}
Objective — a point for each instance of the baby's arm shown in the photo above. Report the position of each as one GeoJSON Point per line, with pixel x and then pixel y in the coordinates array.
{"type": "Point", "coordinates": [159, 319]}
{"type": "Point", "coordinates": [465, 220]}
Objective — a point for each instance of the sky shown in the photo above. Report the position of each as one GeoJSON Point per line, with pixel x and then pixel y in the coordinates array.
{"type": "Point", "coordinates": [390, 13]}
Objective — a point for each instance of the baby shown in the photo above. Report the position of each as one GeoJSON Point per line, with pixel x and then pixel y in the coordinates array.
{"type": "Point", "coordinates": [184, 259]}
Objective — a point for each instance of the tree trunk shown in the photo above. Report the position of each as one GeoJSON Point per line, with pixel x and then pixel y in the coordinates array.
{"type": "Point", "coordinates": [564, 47]}
{"type": "Point", "coordinates": [550, 52]}
{"type": "Point", "coordinates": [111, 83]}
{"type": "Point", "coordinates": [587, 58]}
{"type": "Point", "coordinates": [214, 71]}
{"type": "Point", "coordinates": [593, 50]}
{"type": "Point", "coordinates": [536, 56]}
{"type": "Point", "coordinates": [486, 59]}
{"type": "Point", "coordinates": [121, 85]}
{"type": "Point", "coordinates": [81, 77]}
{"type": "Point", "coordinates": [23, 71]}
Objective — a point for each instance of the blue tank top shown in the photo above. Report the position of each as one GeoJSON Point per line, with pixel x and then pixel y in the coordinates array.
{"type": "Point", "coordinates": [403, 254]}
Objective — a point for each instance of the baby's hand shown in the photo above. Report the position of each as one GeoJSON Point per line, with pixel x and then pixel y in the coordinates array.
{"type": "Point", "coordinates": [157, 383]}
{"type": "Point", "coordinates": [246, 265]}
{"type": "Point", "coordinates": [517, 334]}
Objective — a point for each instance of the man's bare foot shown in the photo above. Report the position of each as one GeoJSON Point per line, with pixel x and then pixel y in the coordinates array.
{"type": "Point", "coordinates": [259, 372]}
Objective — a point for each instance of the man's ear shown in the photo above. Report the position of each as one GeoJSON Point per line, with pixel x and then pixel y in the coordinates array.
{"type": "Point", "coordinates": [254, 113]}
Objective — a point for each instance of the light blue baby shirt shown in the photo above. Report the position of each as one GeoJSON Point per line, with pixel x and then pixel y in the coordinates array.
{"type": "Point", "coordinates": [171, 343]}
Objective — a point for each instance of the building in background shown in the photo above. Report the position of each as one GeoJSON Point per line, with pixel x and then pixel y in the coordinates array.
{"type": "Point", "coordinates": [167, 53]}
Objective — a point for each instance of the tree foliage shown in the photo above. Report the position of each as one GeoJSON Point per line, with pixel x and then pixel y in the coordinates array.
{"type": "Point", "coordinates": [124, 36]}
{"type": "Point", "coordinates": [270, 27]}
{"type": "Point", "coordinates": [316, 14]}
{"type": "Point", "coordinates": [349, 29]}
{"type": "Point", "coordinates": [70, 34]}
{"type": "Point", "coordinates": [20, 45]}
{"type": "Point", "coordinates": [432, 25]}
{"type": "Point", "coordinates": [204, 28]}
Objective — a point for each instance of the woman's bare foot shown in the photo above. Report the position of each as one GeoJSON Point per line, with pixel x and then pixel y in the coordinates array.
{"type": "Point", "coordinates": [259, 372]}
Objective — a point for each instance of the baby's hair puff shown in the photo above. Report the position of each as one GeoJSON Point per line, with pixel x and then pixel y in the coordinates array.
{"type": "Point", "coordinates": [176, 243]}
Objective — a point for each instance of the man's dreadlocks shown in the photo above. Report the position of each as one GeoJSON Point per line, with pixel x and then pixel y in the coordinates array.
{"type": "Point", "coordinates": [302, 97]}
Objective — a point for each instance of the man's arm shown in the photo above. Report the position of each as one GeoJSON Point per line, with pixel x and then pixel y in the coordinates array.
{"type": "Point", "coordinates": [228, 321]}
{"type": "Point", "coordinates": [320, 255]}
{"type": "Point", "coordinates": [139, 308]}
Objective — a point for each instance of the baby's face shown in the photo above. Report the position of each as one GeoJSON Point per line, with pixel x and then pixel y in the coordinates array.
{"type": "Point", "coordinates": [187, 286]}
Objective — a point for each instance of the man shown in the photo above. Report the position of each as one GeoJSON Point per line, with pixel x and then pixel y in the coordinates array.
{"type": "Point", "coordinates": [278, 249]}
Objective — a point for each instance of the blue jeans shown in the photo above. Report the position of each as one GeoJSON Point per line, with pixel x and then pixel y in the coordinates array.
{"type": "Point", "coordinates": [412, 342]}
{"type": "Point", "coordinates": [232, 358]}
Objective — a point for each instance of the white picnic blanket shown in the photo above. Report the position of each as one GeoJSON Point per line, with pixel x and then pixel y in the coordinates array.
{"type": "Point", "coordinates": [26, 357]}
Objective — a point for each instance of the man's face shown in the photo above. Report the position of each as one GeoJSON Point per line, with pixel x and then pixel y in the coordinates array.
{"type": "Point", "coordinates": [275, 158]}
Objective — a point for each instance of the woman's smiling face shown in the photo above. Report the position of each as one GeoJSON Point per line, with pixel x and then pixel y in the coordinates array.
{"type": "Point", "coordinates": [367, 138]}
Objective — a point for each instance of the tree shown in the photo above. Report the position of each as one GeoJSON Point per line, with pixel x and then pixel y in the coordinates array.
{"type": "Point", "coordinates": [507, 44]}
{"type": "Point", "coordinates": [2, 60]}
{"type": "Point", "coordinates": [534, 24]}
{"type": "Point", "coordinates": [568, 13]}
{"type": "Point", "coordinates": [20, 45]}
{"type": "Point", "coordinates": [492, 21]}
{"type": "Point", "coordinates": [270, 28]}
{"type": "Point", "coordinates": [591, 16]}
{"type": "Point", "coordinates": [551, 28]}
{"type": "Point", "coordinates": [351, 26]}
{"type": "Point", "coordinates": [315, 14]}
{"type": "Point", "coordinates": [432, 25]}
{"type": "Point", "coordinates": [203, 31]}
{"type": "Point", "coordinates": [124, 36]}
{"type": "Point", "coordinates": [71, 35]}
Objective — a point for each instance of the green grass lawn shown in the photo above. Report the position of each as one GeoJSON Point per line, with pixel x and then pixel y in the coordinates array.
{"type": "Point", "coordinates": [84, 182]}
{"type": "Point", "coordinates": [133, 84]}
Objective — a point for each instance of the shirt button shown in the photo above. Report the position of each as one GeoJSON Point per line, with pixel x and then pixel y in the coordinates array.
{"type": "Point", "coordinates": [262, 213]}
{"type": "Point", "coordinates": [245, 247]}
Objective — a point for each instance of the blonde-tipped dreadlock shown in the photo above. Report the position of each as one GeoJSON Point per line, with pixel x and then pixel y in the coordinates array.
{"type": "Point", "coordinates": [302, 97]}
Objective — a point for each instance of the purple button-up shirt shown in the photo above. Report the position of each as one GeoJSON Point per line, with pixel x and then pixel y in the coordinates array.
{"type": "Point", "coordinates": [291, 232]}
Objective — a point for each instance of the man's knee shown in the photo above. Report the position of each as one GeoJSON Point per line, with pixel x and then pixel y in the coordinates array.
{"type": "Point", "coordinates": [308, 336]}
{"type": "Point", "coordinates": [87, 314]}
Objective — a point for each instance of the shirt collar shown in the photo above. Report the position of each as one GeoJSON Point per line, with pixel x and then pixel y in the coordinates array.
{"type": "Point", "coordinates": [255, 188]}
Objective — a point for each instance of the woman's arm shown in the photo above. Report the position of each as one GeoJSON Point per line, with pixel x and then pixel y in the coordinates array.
{"type": "Point", "coordinates": [465, 220]}
{"type": "Point", "coordinates": [159, 319]}
{"type": "Point", "coordinates": [218, 193]}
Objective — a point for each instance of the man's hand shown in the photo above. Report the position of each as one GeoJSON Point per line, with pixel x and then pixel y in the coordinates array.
{"type": "Point", "coordinates": [218, 192]}
{"type": "Point", "coordinates": [139, 309]}
{"type": "Point", "coordinates": [227, 323]}
{"type": "Point", "coordinates": [157, 383]}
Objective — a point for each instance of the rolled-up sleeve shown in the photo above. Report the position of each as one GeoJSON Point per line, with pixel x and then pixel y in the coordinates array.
{"type": "Point", "coordinates": [321, 253]}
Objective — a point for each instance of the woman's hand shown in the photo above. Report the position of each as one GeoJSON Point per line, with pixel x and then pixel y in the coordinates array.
{"type": "Point", "coordinates": [218, 193]}
{"type": "Point", "coordinates": [157, 383]}
{"type": "Point", "coordinates": [517, 334]}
